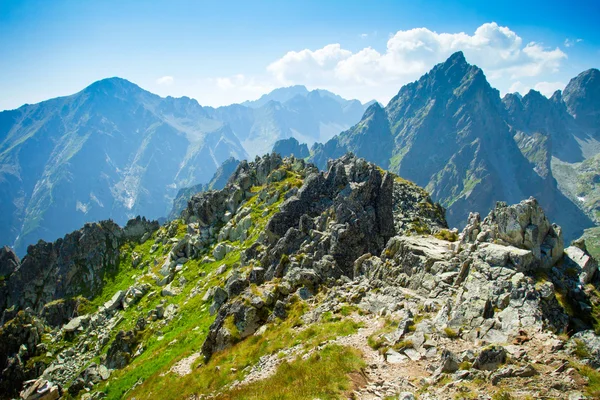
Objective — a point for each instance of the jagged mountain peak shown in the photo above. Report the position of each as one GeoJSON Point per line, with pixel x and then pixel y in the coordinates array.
{"type": "Point", "coordinates": [280, 95]}
{"type": "Point", "coordinates": [113, 84]}
{"type": "Point", "coordinates": [557, 97]}
{"type": "Point", "coordinates": [534, 94]}
{"type": "Point", "coordinates": [457, 58]}
{"type": "Point", "coordinates": [374, 109]}
{"type": "Point", "coordinates": [582, 97]}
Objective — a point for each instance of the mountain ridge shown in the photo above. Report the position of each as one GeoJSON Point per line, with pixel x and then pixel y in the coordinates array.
{"type": "Point", "coordinates": [288, 274]}
{"type": "Point", "coordinates": [454, 135]}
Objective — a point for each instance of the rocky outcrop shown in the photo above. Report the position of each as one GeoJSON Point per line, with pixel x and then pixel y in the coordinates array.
{"type": "Point", "coordinates": [284, 246]}
{"type": "Point", "coordinates": [218, 182]}
{"type": "Point", "coordinates": [522, 225]}
{"type": "Point", "coordinates": [72, 265]}
{"type": "Point", "coordinates": [8, 261]}
{"type": "Point", "coordinates": [19, 339]}
{"type": "Point", "coordinates": [291, 147]}
{"type": "Point", "coordinates": [333, 219]}
{"type": "Point", "coordinates": [120, 351]}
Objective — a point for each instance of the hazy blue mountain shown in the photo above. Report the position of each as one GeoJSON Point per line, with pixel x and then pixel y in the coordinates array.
{"type": "Point", "coordinates": [451, 133]}
{"type": "Point", "coordinates": [280, 95]}
{"type": "Point", "coordinates": [371, 138]}
{"type": "Point", "coordinates": [291, 147]}
{"type": "Point", "coordinates": [582, 97]}
{"type": "Point", "coordinates": [218, 182]}
{"type": "Point", "coordinates": [309, 116]}
{"type": "Point", "coordinates": [112, 150]}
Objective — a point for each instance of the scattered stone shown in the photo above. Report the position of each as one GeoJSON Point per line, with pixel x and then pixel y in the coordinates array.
{"type": "Point", "coordinates": [490, 358]}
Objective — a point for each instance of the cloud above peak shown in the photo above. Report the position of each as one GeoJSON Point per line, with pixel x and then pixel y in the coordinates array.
{"type": "Point", "coordinates": [165, 80]}
{"type": "Point", "coordinates": [509, 62]}
{"type": "Point", "coordinates": [410, 53]}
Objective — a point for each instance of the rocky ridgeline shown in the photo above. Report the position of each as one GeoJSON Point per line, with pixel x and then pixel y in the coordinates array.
{"type": "Point", "coordinates": [42, 288]}
{"type": "Point", "coordinates": [320, 230]}
{"type": "Point", "coordinates": [504, 300]}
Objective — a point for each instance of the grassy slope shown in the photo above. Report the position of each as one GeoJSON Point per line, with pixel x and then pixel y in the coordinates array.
{"type": "Point", "coordinates": [164, 344]}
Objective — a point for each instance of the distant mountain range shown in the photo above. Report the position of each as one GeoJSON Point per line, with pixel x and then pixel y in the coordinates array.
{"type": "Point", "coordinates": [309, 116]}
{"type": "Point", "coordinates": [115, 151]}
{"type": "Point", "coordinates": [451, 133]}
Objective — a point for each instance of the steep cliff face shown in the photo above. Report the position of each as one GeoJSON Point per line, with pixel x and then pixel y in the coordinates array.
{"type": "Point", "coordinates": [75, 265]}
{"type": "Point", "coordinates": [112, 150]}
{"type": "Point", "coordinates": [582, 97]}
{"type": "Point", "coordinates": [450, 133]}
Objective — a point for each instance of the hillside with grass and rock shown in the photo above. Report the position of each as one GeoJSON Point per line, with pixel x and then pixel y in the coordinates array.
{"type": "Point", "coordinates": [295, 283]}
{"type": "Point", "coordinates": [451, 133]}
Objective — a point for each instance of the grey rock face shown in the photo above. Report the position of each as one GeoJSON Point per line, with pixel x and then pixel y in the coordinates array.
{"type": "Point", "coordinates": [522, 225]}
{"type": "Point", "coordinates": [582, 260]}
{"type": "Point", "coordinates": [450, 133]}
{"type": "Point", "coordinates": [489, 359]}
{"type": "Point", "coordinates": [112, 150]}
{"type": "Point", "coordinates": [8, 261]}
{"type": "Point", "coordinates": [582, 97]}
{"type": "Point", "coordinates": [121, 349]}
{"type": "Point", "coordinates": [41, 389]}
{"type": "Point", "coordinates": [72, 265]}
{"type": "Point", "coordinates": [291, 147]}
{"type": "Point", "coordinates": [366, 212]}
{"type": "Point", "coordinates": [18, 344]}
{"type": "Point", "coordinates": [449, 362]}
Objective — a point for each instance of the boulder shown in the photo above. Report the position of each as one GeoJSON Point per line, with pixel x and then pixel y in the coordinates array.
{"type": "Point", "coordinates": [523, 225]}
{"type": "Point", "coordinates": [121, 349]}
{"type": "Point", "coordinates": [582, 260]}
{"type": "Point", "coordinates": [41, 389]}
{"type": "Point", "coordinates": [115, 301]}
{"type": "Point", "coordinates": [449, 362]}
{"type": "Point", "coordinates": [219, 298]}
{"type": "Point", "coordinates": [490, 358]}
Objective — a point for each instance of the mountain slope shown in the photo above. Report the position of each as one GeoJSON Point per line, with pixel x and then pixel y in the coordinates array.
{"type": "Point", "coordinates": [290, 147]}
{"type": "Point", "coordinates": [291, 283]}
{"type": "Point", "coordinates": [450, 135]}
{"type": "Point", "coordinates": [582, 97]}
{"type": "Point", "coordinates": [112, 150]}
{"type": "Point", "coordinates": [308, 116]}
{"type": "Point", "coordinates": [218, 182]}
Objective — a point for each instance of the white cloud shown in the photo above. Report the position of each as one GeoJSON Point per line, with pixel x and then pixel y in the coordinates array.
{"type": "Point", "coordinates": [165, 80]}
{"type": "Point", "coordinates": [498, 50]}
{"type": "Point", "coordinates": [548, 88]}
{"type": "Point", "coordinates": [364, 35]}
{"type": "Point", "coordinates": [545, 88]}
{"type": "Point", "coordinates": [572, 42]}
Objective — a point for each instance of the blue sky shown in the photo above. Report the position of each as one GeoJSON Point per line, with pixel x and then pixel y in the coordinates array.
{"type": "Point", "coordinates": [221, 52]}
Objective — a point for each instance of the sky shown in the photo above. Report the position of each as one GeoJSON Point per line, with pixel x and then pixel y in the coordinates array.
{"type": "Point", "coordinates": [222, 52]}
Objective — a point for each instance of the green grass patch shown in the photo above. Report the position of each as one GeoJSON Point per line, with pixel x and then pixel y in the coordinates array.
{"type": "Point", "coordinates": [324, 375]}
{"type": "Point", "coordinates": [592, 388]}
{"type": "Point", "coordinates": [450, 333]}
{"type": "Point", "coordinates": [230, 364]}
{"type": "Point", "coordinates": [445, 234]}
{"type": "Point", "coordinates": [581, 350]}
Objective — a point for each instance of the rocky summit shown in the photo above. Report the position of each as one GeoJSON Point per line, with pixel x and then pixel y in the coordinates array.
{"type": "Point", "coordinates": [295, 283]}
